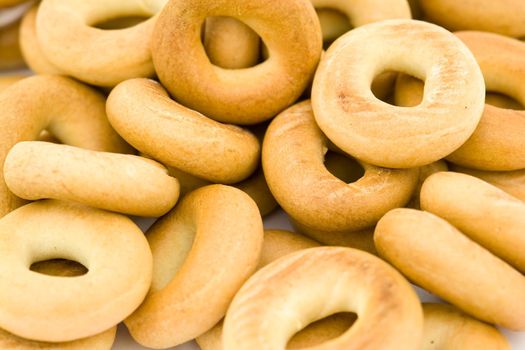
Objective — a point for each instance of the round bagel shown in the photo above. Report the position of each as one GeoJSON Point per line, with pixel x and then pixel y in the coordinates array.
{"type": "Point", "coordinates": [436, 256]}
{"type": "Point", "coordinates": [118, 182]}
{"type": "Point", "coordinates": [203, 251]}
{"type": "Point", "coordinates": [283, 297]}
{"type": "Point", "coordinates": [290, 30]}
{"type": "Point", "coordinates": [68, 40]}
{"type": "Point", "coordinates": [384, 135]}
{"type": "Point", "coordinates": [73, 112]}
{"type": "Point", "coordinates": [293, 156]}
{"type": "Point", "coordinates": [141, 111]}
{"type": "Point", "coordinates": [57, 309]}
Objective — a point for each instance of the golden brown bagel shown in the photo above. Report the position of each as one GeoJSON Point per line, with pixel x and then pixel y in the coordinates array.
{"type": "Point", "coordinates": [384, 135]}
{"type": "Point", "coordinates": [10, 55]}
{"type": "Point", "coordinates": [291, 31]}
{"type": "Point", "coordinates": [203, 251]}
{"type": "Point", "coordinates": [438, 257]}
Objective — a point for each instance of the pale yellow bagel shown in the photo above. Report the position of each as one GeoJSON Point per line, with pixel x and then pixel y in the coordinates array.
{"type": "Point", "coordinates": [486, 214]}
{"type": "Point", "coordinates": [302, 287]}
{"type": "Point", "coordinates": [96, 56]}
{"type": "Point", "coordinates": [438, 257]}
{"type": "Point", "coordinates": [73, 112]}
{"type": "Point", "coordinates": [291, 31]}
{"type": "Point", "coordinates": [10, 55]}
{"type": "Point", "coordinates": [142, 112]}
{"type": "Point", "coordinates": [384, 135]}
{"type": "Point", "coordinates": [293, 156]}
{"type": "Point", "coordinates": [118, 182]}
{"type": "Point", "coordinates": [203, 251]}
{"type": "Point", "coordinates": [58, 309]}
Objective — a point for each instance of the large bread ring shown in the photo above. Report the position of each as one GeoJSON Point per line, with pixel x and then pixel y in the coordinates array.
{"type": "Point", "coordinates": [141, 111]}
{"type": "Point", "coordinates": [384, 135]}
{"type": "Point", "coordinates": [293, 156]}
{"type": "Point", "coordinates": [58, 309]}
{"type": "Point", "coordinates": [72, 111]}
{"type": "Point", "coordinates": [203, 251]}
{"type": "Point", "coordinates": [486, 214]}
{"type": "Point", "coordinates": [283, 297]}
{"type": "Point", "coordinates": [290, 30]}
{"type": "Point", "coordinates": [117, 182]}
{"type": "Point", "coordinates": [438, 257]}
{"type": "Point", "coordinates": [69, 42]}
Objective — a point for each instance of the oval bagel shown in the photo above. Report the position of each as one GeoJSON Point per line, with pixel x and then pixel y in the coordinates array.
{"type": "Point", "coordinates": [302, 287]}
{"type": "Point", "coordinates": [385, 135]}
{"type": "Point", "coordinates": [290, 30]}
{"type": "Point", "coordinates": [58, 309]}
{"type": "Point", "coordinates": [118, 182]}
{"type": "Point", "coordinates": [293, 157]}
{"type": "Point", "coordinates": [203, 251]}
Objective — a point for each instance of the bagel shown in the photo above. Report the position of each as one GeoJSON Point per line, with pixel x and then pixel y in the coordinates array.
{"type": "Point", "coordinates": [384, 135]}
{"type": "Point", "coordinates": [10, 55]}
{"type": "Point", "coordinates": [436, 256]}
{"type": "Point", "coordinates": [203, 251]}
{"type": "Point", "coordinates": [291, 32]}
{"type": "Point", "coordinates": [73, 112]}
{"type": "Point", "coordinates": [123, 183]}
{"type": "Point", "coordinates": [68, 40]}
{"type": "Point", "coordinates": [293, 155]}
{"type": "Point", "coordinates": [488, 215]}
{"type": "Point", "coordinates": [56, 309]}
{"type": "Point", "coordinates": [302, 287]}
{"type": "Point", "coordinates": [141, 111]}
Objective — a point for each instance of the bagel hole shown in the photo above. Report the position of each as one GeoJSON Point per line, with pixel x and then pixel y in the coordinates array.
{"type": "Point", "coordinates": [59, 268]}
{"type": "Point", "coordinates": [408, 91]}
{"type": "Point", "coordinates": [120, 22]}
{"type": "Point", "coordinates": [502, 101]}
{"type": "Point", "coordinates": [383, 86]}
{"type": "Point", "coordinates": [322, 330]}
{"type": "Point", "coordinates": [344, 168]}
{"type": "Point", "coordinates": [334, 23]}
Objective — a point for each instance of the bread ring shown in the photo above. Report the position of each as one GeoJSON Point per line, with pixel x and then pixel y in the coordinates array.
{"type": "Point", "coordinates": [57, 309]}
{"type": "Point", "coordinates": [117, 182]}
{"type": "Point", "coordinates": [10, 55]}
{"type": "Point", "coordinates": [293, 155]}
{"type": "Point", "coordinates": [305, 286]}
{"type": "Point", "coordinates": [72, 111]}
{"type": "Point", "coordinates": [488, 215]}
{"type": "Point", "coordinates": [290, 30]}
{"type": "Point", "coordinates": [141, 111]}
{"type": "Point", "coordinates": [436, 256]}
{"type": "Point", "coordinates": [506, 17]}
{"type": "Point", "coordinates": [384, 135]}
{"type": "Point", "coordinates": [203, 252]}
{"type": "Point", "coordinates": [68, 40]}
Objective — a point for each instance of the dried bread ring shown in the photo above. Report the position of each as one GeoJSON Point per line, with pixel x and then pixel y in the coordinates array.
{"type": "Point", "coordinates": [384, 135]}
{"type": "Point", "coordinates": [436, 256]}
{"type": "Point", "coordinates": [203, 251]}
{"type": "Point", "coordinates": [39, 102]}
{"type": "Point", "coordinates": [57, 309]}
{"type": "Point", "coordinates": [290, 30]}
{"type": "Point", "coordinates": [68, 40]}
{"type": "Point", "coordinates": [293, 163]}
{"type": "Point", "coordinates": [118, 182]}
{"type": "Point", "coordinates": [283, 297]}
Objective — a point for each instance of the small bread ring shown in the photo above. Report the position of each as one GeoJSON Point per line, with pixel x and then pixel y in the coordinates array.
{"type": "Point", "coordinates": [69, 42]}
{"type": "Point", "coordinates": [10, 55]}
{"type": "Point", "coordinates": [384, 135]}
{"type": "Point", "coordinates": [293, 157]}
{"type": "Point", "coordinates": [118, 182]}
{"type": "Point", "coordinates": [203, 251]}
{"type": "Point", "coordinates": [290, 30]}
{"type": "Point", "coordinates": [302, 287]}
{"type": "Point", "coordinates": [58, 309]}
{"type": "Point", "coordinates": [38, 103]}
{"type": "Point", "coordinates": [438, 257]}
{"type": "Point", "coordinates": [488, 215]}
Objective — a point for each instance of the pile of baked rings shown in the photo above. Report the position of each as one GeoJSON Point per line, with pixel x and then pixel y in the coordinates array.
{"type": "Point", "coordinates": [209, 114]}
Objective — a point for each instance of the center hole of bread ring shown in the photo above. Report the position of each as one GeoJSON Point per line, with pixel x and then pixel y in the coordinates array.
{"type": "Point", "coordinates": [59, 268]}
{"type": "Point", "coordinates": [344, 168]}
{"type": "Point", "coordinates": [120, 22]}
{"type": "Point", "coordinates": [334, 23]}
{"type": "Point", "coordinates": [383, 87]}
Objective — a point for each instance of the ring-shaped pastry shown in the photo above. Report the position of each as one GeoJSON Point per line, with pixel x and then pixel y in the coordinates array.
{"type": "Point", "coordinates": [290, 30]}
{"type": "Point", "coordinates": [384, 135]}
{"type": "Point", "coordinates": [57, 309]}
{"type": "Point", "coordinates": [302, 287]}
